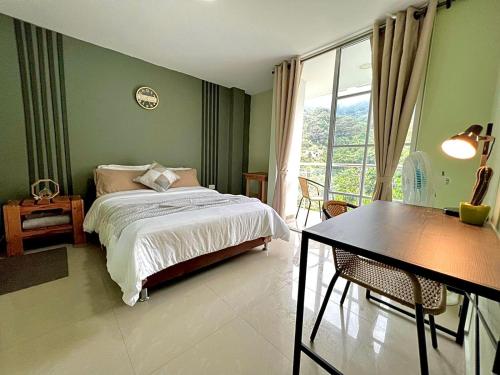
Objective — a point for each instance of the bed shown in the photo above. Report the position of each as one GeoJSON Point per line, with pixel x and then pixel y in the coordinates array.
{"type": "Point", "coordinates": [154, 236]}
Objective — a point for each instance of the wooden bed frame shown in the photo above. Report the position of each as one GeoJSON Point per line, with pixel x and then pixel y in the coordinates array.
{"type": "Point", "coordinates": [197, 263]}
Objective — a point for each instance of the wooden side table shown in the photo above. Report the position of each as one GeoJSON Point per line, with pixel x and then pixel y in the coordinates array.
{"type": "Point", "coordinates": [261, 178]}
{"type": "Point", "coordinates": [15, 212]}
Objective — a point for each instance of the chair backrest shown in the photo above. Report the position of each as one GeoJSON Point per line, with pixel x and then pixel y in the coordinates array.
{"type": "Point", "coordinates": [334, 208]}
{"type": "Point", "coordinates": [304, 187]}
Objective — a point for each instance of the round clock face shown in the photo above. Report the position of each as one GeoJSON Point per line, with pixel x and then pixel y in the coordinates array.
{"type": "Point", "coordinates": [147, 98]}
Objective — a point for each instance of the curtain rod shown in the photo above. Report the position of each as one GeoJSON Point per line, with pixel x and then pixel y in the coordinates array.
{"type": "Point", "coordinates": [366, 34]}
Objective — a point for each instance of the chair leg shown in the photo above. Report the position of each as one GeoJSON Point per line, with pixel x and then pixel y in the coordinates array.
{"type": "Point", "coordinates": [319, 206]}
{"type": "Point", "coordinates": [432, 324]}
{"type": "Point", "coordinates": [298, 208]}
{"type": "Point", "coordinates": [323, 305]}
{"type": "Point", "coordinates": [307, 216]}
{"type": "Point", "coordinates": [419, 315]}
{"type": "Point", "coordinates": [346, 289]}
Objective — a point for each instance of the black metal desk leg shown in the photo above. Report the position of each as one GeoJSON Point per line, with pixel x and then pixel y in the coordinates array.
{"type": "Point", "coordinates": [300, 304]}
{"type": "Point", "coordinates": [478, 354]}
{"type": "Point", "coordinates": [461, 323]}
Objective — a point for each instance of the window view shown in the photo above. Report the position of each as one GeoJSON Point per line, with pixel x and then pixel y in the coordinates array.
{"type": "Point", "coordinates": [347, 168]}
{"type": "Point", "coordinates": [353, 155]}
{"type": "Point", "coordinates": [318, 74]}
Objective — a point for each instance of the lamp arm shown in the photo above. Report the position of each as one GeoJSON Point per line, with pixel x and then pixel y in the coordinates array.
{"type": "Point", "coordinates": [484, 173]}
{"type": "Point", "coordinates": [485, 154]}
{"type": "Point", "coordinates": [487, 139]}
{"type": "Point", "coordinates": [491, 146]}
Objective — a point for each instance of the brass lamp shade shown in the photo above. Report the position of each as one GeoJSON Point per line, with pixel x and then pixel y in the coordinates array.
{"type": "Point", "coordinates": [463, 145]}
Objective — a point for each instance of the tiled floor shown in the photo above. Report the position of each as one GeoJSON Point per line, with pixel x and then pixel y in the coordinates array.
{"type": "Point", "coordinates": [235, 318]}
{"type": "Point", "coordinates": [297, 225]}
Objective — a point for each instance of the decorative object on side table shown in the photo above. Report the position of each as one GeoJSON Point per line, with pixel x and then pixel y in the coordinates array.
{"type": "Point", "coordinates": [464, 146]}
{"type": "Point", "coordinates": [28, 219]}
{"type": "Point", "coordinates": [40, 190]}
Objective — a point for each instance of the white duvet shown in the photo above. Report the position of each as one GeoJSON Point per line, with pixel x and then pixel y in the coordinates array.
{"type": "Point", "coordinates": [149, 245]}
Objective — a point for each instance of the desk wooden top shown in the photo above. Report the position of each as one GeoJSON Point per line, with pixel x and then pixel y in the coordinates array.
{"type": "Point", "coordinates": [421, 240]}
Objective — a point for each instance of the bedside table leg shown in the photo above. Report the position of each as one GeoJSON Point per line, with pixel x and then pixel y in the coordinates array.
{"type": "Point", "coordinates": [77, 220]}
{"type": "Point", "coordinates": [13, 230]}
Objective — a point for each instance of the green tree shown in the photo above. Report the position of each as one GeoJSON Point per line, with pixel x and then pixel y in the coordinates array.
{"type": "Point", "coordinates": [350, 129]}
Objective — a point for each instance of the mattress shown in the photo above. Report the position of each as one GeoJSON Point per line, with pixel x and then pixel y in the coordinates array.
{"type": "Point", "coordinates": [148, 245]}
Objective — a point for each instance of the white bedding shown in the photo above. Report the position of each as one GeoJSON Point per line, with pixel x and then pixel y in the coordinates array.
{"type": "Point", "coordinates": [149, 245]}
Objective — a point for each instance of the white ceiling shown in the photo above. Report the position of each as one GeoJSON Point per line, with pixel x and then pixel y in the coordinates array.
{"type": "Point", "coordinates": [234, 43]}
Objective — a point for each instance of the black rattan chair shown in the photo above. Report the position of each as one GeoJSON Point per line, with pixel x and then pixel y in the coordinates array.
{"type": "Point", "coordinates": [423, 295]}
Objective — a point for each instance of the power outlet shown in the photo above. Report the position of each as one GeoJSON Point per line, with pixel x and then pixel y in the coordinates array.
{"type": "Point", "coordinates": [211, 187]}
{"type": "Point", "coordinates": [446, 179]}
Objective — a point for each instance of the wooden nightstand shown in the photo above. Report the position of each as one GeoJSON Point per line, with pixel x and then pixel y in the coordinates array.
{"type": "Point", "coordinates": [16, 212]}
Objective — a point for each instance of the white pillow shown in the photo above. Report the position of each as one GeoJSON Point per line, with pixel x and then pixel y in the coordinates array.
{"type": "Point", "coordinates": [157, 177]}
{"type": "Point", "coordinates": [119, 167]}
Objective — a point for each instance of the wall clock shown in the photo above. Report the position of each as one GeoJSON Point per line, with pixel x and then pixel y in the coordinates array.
{"type": "Point", "coordinates": [146, 97]}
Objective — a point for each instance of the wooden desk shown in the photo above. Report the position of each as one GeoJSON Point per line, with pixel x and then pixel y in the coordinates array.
{"type": "Point", "coordinates": [421, 240]}
{"type": "Point", "coordinates": [261, 178]}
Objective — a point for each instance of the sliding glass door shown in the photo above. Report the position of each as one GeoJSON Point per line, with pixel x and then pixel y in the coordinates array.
{"type": "Point", "coordinates": [337, 132]}
{"type": "Point", "coordinates": [350, 159]}
{"type": "Point", "coordinates": [317, 82]}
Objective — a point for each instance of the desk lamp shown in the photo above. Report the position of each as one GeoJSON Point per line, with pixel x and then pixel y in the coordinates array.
{"type": "Point", "coordinates": [464, 146]}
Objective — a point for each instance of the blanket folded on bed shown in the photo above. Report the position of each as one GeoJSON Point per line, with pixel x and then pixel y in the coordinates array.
{"type": "Point", "coordinates": [121, 215]}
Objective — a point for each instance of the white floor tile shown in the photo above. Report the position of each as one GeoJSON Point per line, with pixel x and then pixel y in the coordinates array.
{"type": "Point", "coordinates": [235, 318]}
{"type": "Point", "coordinates": [236, 349]}
{"type": "Point", "coordinates": [91, 346]}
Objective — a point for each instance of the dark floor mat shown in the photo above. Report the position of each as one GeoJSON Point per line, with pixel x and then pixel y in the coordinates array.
{"type": "Point", "coordinates": [31, 269]}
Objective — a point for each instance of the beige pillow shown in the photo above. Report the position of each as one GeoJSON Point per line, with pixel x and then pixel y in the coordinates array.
{"type": "Point", "coordinates": [187, 178]}
{"type": "Point", "coordinates": [157, 177]}
{"type": "Point", "coordinates": [111, 181]}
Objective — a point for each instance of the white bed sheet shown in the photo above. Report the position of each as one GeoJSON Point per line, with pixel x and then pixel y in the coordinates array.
{"type": "Point", "coordinates": [150, 245]}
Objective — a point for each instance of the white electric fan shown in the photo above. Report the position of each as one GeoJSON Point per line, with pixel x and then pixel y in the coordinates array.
{"type": "Point", "coordinates": [417, 180]}
{"type": "Point", "coordinates": [418, 190]}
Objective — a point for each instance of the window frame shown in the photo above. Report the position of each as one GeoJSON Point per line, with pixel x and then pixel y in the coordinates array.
{"type": "Point", "coordinates": [414, 126]}
{"type": "Point", "coordinates": [328, 191]}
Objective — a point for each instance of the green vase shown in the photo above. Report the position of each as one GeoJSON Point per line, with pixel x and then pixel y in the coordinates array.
{"type": "Point", "coordinates": [475, 215]}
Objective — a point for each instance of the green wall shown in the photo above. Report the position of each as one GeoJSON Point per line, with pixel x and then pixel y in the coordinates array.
{"type": "Point", "coordinates": [459, 89]}
{"type": "Point", "coordinates": [493, 195]}
{"type": "Point", "coordinates": [14, 162]}
{"type": "Point", "coordinates": [106, 125]}
{"type": "Point", "coordinates": [260, 128]}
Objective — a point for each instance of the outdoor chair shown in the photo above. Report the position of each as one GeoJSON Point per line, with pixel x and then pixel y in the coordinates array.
{"type": "Point", "coordinates": [311, 192]}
